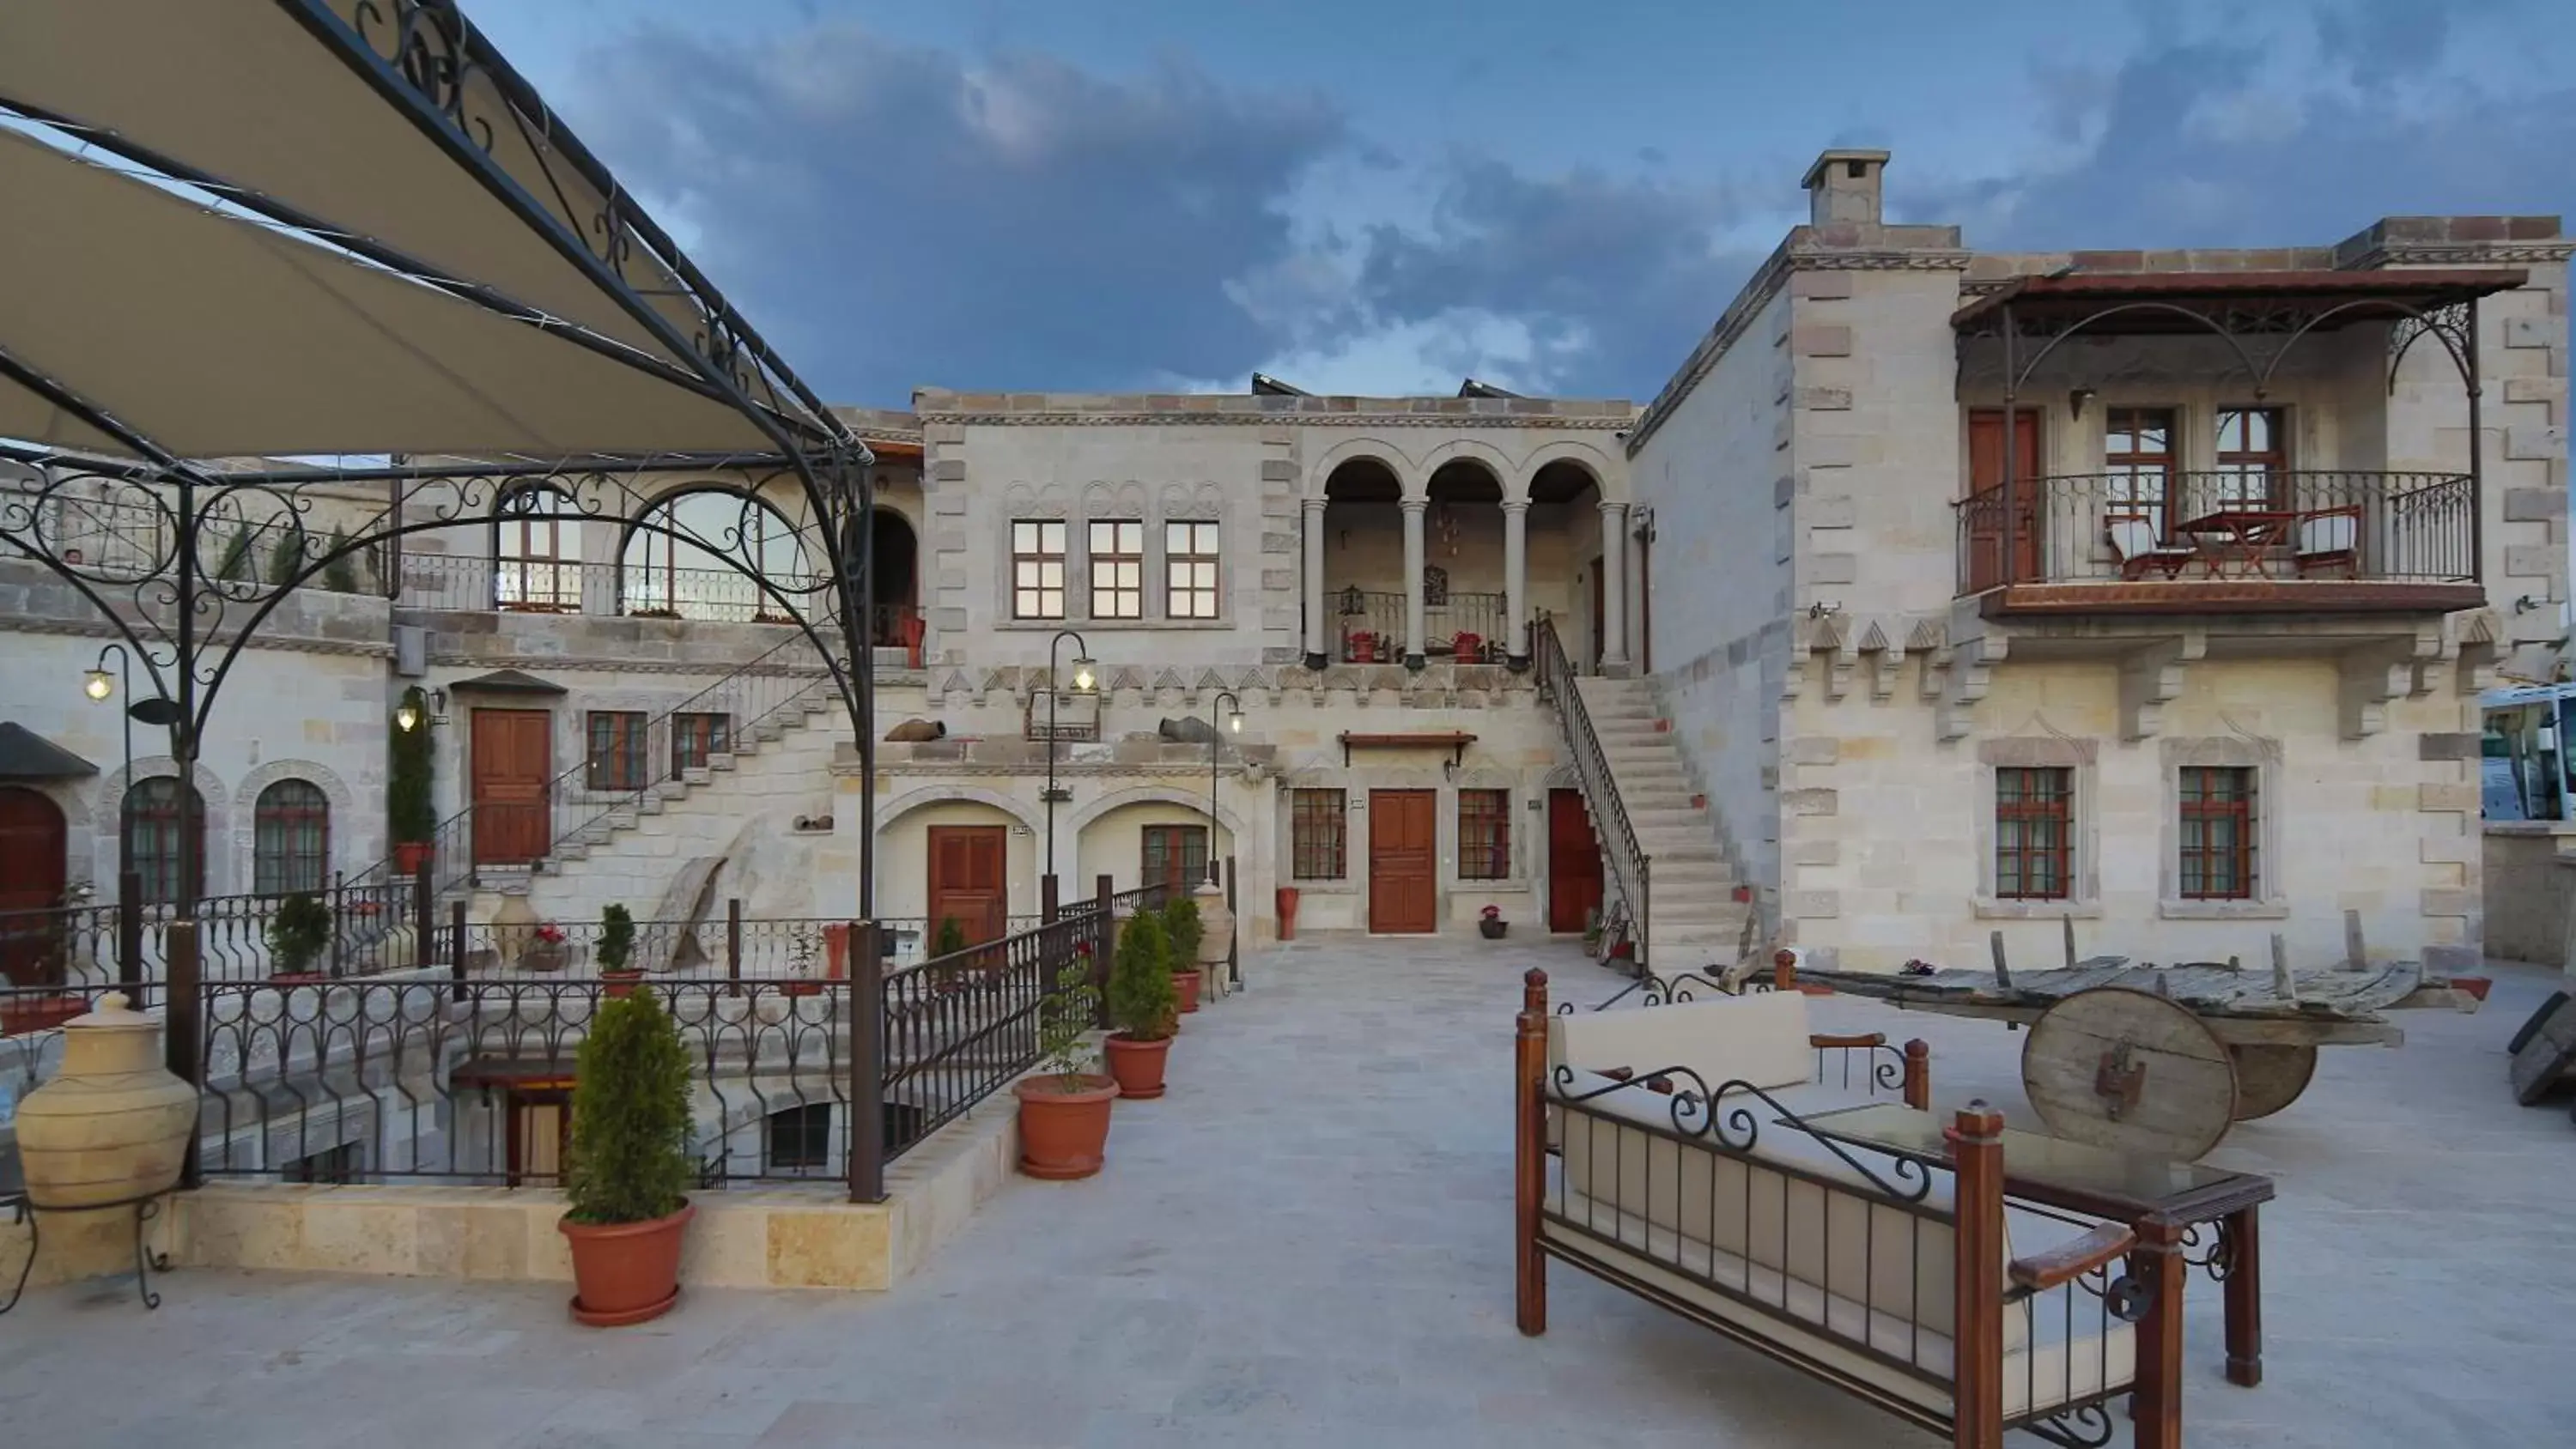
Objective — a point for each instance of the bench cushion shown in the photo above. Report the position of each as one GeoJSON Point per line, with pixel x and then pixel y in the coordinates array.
{"type": "Point", "coordinates": [1760, 1037]}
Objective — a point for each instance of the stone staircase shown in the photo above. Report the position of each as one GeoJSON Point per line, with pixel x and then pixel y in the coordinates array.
{"type": "Point", "coordinates": [1694, 921]}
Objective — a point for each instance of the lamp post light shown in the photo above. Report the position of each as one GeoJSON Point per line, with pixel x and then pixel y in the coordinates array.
{"type": "Point", "coordinates": [102, 686]}
{"type": "Point", "coordinates": [1234, 724]}
{"type": "Point", "coordinates": [1085, 684]}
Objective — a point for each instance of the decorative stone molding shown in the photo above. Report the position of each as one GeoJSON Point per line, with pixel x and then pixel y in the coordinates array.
{"type": "Point", "coordinates": [2152, 677]}
{"type": "Point", "coordinates": [345, 824]}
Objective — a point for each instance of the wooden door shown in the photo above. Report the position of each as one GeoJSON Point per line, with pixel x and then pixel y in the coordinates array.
{"type": "Point", "coordinates": [513, 768]}
{"type": "Point", "coordinates": [1986, 504]}
{"type": "Point", "coordinates": [33, 870]}
{"type": "Point", "coordinates": [1573, 862]}
{"type": "Point", "coordinates": [539, 1131]}
{"type": "Point", "coordinates": [969, 881]}
{"type": "Point", "coordinates": [1404, 854]}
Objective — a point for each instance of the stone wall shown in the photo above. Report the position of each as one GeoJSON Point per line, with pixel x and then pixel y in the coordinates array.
{"type": "Point", "coordinates": [2527, 887]}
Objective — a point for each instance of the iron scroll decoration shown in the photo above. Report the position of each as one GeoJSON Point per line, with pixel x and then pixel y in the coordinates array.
{"type": "Point", "coordinates": [1735, 1126]}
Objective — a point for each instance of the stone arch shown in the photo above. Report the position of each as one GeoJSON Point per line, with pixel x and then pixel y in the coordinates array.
{"type": "Point", "coordinates": [1408, 477]}
{"type": "Point", "coordinates": [1082, 818]}
{"type": "Point", "coordinates": [1610, 479]}
{"type": "Point", "coordinates": [1561, 777]}
{"type": "Point", "coordinates": [1512, 480]}
{"type": "Point", "coordinates": [109, 817]}
{"type": "Point", "coordinates": [343, 801]}
{"type": "Point", "coordinates": [1020, 811]}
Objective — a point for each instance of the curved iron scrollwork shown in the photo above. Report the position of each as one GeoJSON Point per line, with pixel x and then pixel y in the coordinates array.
{"type": "Point", "coordinates": [2213, 1251]}
{"type": "Point", "coordinates": [1736, 1126]}
{"type": "Point", "coordinates": [2086, 1426]}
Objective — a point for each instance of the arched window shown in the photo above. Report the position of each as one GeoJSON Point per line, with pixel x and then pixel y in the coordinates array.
{"type": "Point", "coordinates": [536, 553]}
{"type": "Point", "coordinates": [699, 574]}
{"type": "Point", "coordinates": [151, 815]}
{"type": "Point", "coordinates": [290, 839]}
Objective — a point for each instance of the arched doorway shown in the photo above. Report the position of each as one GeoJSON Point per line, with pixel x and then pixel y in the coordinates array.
{"type": "Point", "coordinates": [894, 584]}
{"type": "Point", "coordinates": [1462, 563]}
{"type": "Point", "coordinates": [34, 868]}
{"type": "Point", "coordinates": [1363, 563]}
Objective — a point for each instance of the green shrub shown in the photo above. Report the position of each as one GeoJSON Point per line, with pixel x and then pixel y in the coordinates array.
{"type": "Point", "coordinates": [616, 937]}
{"type": "Point", "coordinates": [950, 939]}
{"type": "Point", "coordinates": [629, 1159]}
{"type": "Point", "coordinates": [1143, 1002]}
{"type": "Point", "coordinates": [236, 567]}
{"type": "Point", "coordinates": [1065, 1018]}
{"type": "Point", "coordinates": [1181, 922]}
{"type": "Point", "coordinates": [407, 809]}
{"type": "Point", "coordinates": [340, 575]}
{"type": "Point", "coordinates": [298, 934]}
{"type": "Point", "coordinates": [285, 557]}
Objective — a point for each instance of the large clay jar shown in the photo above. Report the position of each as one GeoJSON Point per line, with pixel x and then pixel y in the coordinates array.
{"type": "Point", "coordinates": [112, 1125]}
{"type": "Point", "coordinates": [1216, 936]}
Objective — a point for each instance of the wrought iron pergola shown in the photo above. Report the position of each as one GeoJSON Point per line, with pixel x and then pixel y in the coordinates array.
{"type": "Point", "coordinates": [330, 273]}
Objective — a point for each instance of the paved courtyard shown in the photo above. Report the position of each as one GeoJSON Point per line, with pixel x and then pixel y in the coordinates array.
{"type": "Point", "coordinates": [1308, 1243]}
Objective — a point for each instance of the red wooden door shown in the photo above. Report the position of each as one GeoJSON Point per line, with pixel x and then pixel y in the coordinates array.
{"type": "Point", "coordinates": [513, 766]}
{"type": "Point", "coordinates": [33, 870]}
{"type": "Point", "coordinates": [1986, 501]}
{"type": "Point", "coordinates": [1573, 862]}
{"type": "Point", "coordinates": [1404, 851]}
{"type": "Point", "coordinates": [969, 880]}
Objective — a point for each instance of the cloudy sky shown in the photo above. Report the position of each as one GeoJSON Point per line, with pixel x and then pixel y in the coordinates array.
{"type": "Point", "coordinates": [1385, 195]}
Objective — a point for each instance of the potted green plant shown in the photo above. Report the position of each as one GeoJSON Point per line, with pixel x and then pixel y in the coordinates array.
{"type": "Point", "coordinates": [628, 1166]}
{"type": "Point", "coordinates": [297, 936]}
{"type": "Point", "coordinates": [1182, 926]}
{"type": "Point", "coordinates": [800, 967]}
{"type": "Point", "coordinates": [947, 941]}
{"type": "Point", "coordinates": [1144, 1008]}
{"type": "Point", "coordinates": [1064, 1109]}
{"type": "Point", "coordinates": [408, 813]}
{"type": "Point", "coordinates": [616, 948]}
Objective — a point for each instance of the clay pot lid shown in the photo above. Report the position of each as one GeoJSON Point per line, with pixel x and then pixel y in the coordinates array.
{"type": "Point", "coordinates": [111, 1013]}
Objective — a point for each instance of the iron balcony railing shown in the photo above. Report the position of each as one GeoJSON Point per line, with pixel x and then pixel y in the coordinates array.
{"type": "Point", "coordinates": [1629, 862]}
{"type": "Point", "coordinates": [90, 948]}
{"type": "Point", "coordinates": [1379, 616]}
{"type": "Point", "coordinates": [2237, 524]}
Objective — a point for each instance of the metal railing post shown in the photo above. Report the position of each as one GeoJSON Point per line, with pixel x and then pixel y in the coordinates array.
{"type": "Point", "coordinates": [1047, 898]}
{"type": "Point", "coordinates": [339, 924]}
{"type": "Point", "coordinates": [733, 944]}
{"type": "Point", "coordinates": [456, 946]}
{"type": "Point", "coordinates": [1105, 891]}
{"type": "Point", "coordinates": [1234, 930]}
{"type": "Point", "coordinates": [184, 1022]}
{"type": "Point", "coordinates": [867, 1065]}
{"type": "Point", "coordinates": [424, 919]}
{"type": "Point", "coordinates": [129, 936]}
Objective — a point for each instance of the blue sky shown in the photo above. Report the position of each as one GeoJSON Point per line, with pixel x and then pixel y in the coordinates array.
{"type": "Point", "coordinates": [1114, 195]}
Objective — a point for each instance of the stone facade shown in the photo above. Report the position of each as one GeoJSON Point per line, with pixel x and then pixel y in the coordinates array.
{"type": "Point", "coordinates": [1851, 711]}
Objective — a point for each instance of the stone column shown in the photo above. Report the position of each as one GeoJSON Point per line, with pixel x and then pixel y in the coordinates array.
{"type": "Point", "coordinates": [1516, 581]}
{"type": "Point", "coordinates": [1614, 588]}
{"type": "Point", "coordinates": [1413, 641]}
{"type": "Point", "coordinates": [1316, 647]}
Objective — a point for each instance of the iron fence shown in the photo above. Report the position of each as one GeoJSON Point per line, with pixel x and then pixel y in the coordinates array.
{"type": "Point", "coordinates": [1474, 619]}
{"type": "Point", "coordinates": [471, 583]}
{"type": "Point", "coordinates": [374, 929]}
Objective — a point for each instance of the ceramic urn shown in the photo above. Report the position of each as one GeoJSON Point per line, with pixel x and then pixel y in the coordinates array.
{"type": "Point", "coordinates": [113, 1125]}
{"type": "Point", "coordinates": [1216, 927]}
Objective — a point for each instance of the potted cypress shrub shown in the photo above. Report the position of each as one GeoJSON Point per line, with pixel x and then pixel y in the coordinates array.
{"type": "Point", "coordinates": [628, 1166]}
{"type": "Point", "coordinates": [1181, 924]}
{"type": "Point", "coordinates": [297, 936]}
{"type": "Point", "coordinates": [949, 940]}
{"type": "Point", "coordinates": [616, 948]}
{"type": "Point", "coordinates": [408, 813]}
{"type": "Point", "coordinates": [1064, 1110]}
{"type": "Point", "coordinates": [1144, 1008]}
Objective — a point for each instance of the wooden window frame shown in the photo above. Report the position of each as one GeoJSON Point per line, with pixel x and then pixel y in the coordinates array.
{"type": "Point", "coordinates": [1319, 834]}
{"type": "Point", "coordinates": [284, 860]}
{"type": "Point", "coordinates": [613, 749]}
{"type": "Point", "coordinates": [1484, 834]}
{"type": "Point", "coordinates": [535, 577]}
{"type": "Point", "coordinates": [2029, 798]}
{"type": "Point", "coordinates": [152, 818]}
{"type": "Point", "coordinates": [811, 1126]}
{"type": "Point", "coordinates": [2233, 465]}
{"type": "Point", "coordinates": [1193, 576]}
{"type": "Point", "coordinates": [1154, 854]}
{"type": "Point", "coordinates": [2125, 469]}
{"type": "Point", "coordinates": [696, 736]}
{"type": "Point", "coordinates": [1118, 570]}
{"type": "Point", "coordinates": [2208, 795]}
{"type": "Point", "coordinates": [1031, 594]}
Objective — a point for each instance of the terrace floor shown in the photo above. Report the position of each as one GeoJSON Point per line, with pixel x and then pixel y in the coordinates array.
{"type": "Point", "coordinates": [1308, 1243]}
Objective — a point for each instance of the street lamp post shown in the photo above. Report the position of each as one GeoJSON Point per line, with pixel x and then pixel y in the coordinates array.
{"type": "Point", "coordinates": [1234, 723]}
{"type": "Point", "coordinates": [99, 686]}
{"type": "Point", "coordinates": [1084, 683]}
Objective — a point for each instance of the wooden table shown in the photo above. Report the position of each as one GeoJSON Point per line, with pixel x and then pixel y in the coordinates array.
{"type": "Point", "coordinates": [2206, 1215]}
{"type": "Point", "coordinates": [2246, 537]}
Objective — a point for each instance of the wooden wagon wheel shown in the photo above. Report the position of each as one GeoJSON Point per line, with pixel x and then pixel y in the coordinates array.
{"type": "Point", "coordinates": [2130, 1070]}
{"type": "Point", "coordinates": [2269, 1078]}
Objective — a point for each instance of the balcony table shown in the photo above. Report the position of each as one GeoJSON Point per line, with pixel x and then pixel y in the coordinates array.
{"type": "Point", "coordinates": [2244, 537]}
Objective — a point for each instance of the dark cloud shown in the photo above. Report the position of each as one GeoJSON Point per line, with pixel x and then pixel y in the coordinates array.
{"type": "Point", "coordinates": [893, 216]}
{"type": "Point", "coordinates": [2207, 143]}
{"type": "Point", "coordinates": [1614, 278]}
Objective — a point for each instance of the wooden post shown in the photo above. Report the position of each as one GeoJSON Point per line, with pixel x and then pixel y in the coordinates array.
{"type": "Point", "coordinates": [867, 1064]}
{"type": "Point", "coordinates": [424, 920]}
{"type": "Point", "coordinates": [129, 936]}
{"type": "Point", "coordinates": [456, 947]}
{"type": "Point", "coordinates": [1529, 1155]}
{"type": "Point", "coordinates": [2155, 1398]}
{"type": "Point", "coordinates": [1784, 970]}
{"type": "Point", "coordinates": [183, 1021]}
{"type": "Point", "coordinates": [2069, 920]}
{"type": "Point", "coordinates": [2244, 1299]}
{"type": "Point", "coordinates": [2283, 985]}
{"type": "Point", "coordinates": [1977, 1393]}
{"type": "Point", "coordinates": [1047, 908]}
{"type": "Point", "coordinates": [1918, 1075]}
{"type": "Point", "coordinates": [339, 925]}
{"type": "Point", "coordinates": [2003, 973]}
{"type": "Point", "coordinates": [2356, 953]}
{"type": "Point", "coordinates": [733, 945]}
{"type": "Point", "coordinates": [1105, 891]}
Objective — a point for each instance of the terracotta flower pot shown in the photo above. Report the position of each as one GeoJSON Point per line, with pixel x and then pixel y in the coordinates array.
{"type": "Point", "coordinates": [411, 855]}
{"type": "Point", "coordinates": [1063, 1134]}
{"type": "Point", "coordinates": [619, 983]}
{"type": "Point", "coordinates": [1138, 1065]}
{"type": "Point", "coordinates": [626, 1272]}
{"type": "Point", "coordinates": [1287, 901]}
{"type": "Point", "coordinates": [1188, 982]}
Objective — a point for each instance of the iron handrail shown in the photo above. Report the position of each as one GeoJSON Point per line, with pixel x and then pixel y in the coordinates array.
{"type": "Point", "coordinates": [1600, 789]}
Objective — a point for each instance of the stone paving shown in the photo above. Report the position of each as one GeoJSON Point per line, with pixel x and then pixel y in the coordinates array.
{"type": "Point", "coordinates": [1307, 1243]}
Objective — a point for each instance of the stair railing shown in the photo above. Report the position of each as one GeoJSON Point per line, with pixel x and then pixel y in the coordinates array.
{"type": "Point", "coordinates": [622, 762]}
{"type": "Point", "coordinates": [1632, 864]}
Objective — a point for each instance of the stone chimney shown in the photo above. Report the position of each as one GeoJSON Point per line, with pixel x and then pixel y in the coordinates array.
{"type": "Point", "coordinates": [1843, 187]}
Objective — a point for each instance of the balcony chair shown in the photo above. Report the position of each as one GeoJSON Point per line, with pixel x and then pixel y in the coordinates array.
{"type": "Point", "coordinates": [2329, 538]}
{"type": "Point", "coordinates": [2133, 538]}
